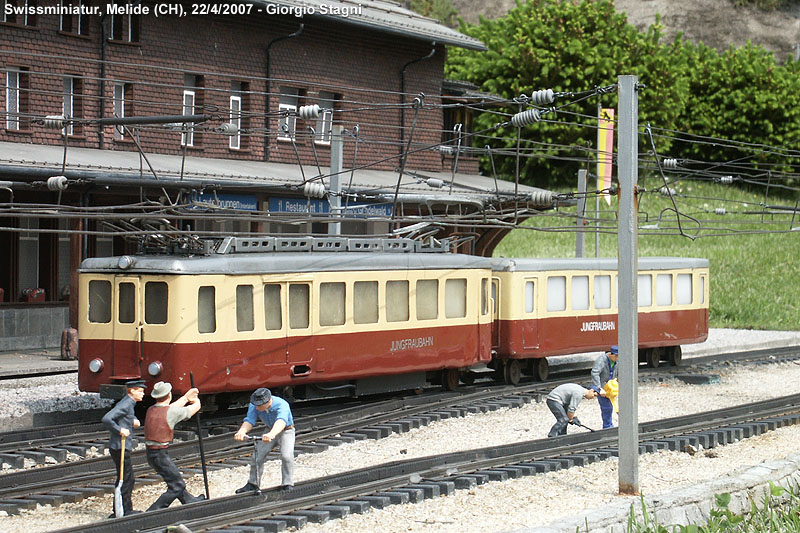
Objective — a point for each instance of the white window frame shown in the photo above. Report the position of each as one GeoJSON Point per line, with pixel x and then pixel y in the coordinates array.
{"type": "Point", "coordinates": [64, 5]}
{"type": "Point", "coordinates": [327, 102]}
{"type": "Point", "coordinates": [68, 107]}
{"type": "Point", "coordinates": [12, 99]}
{"type": "Point", "coordinates": [235, 142]}
{"type": "Point", "coordinates": [119, 109]}
{"type": "Point", "coordinates": [187, 137]}
{"type": "Point", "coordinates": [288, 112]}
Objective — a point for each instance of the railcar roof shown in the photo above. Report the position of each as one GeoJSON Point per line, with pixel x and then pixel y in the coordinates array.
{"type": "Point", "coordinates": [532, 264]}
{"type": "Point", "coordinates": [283, 262]}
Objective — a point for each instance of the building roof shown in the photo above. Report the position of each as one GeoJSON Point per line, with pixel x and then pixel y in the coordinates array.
{"type": "Point", "coordinates": [108, 167]}
{"type": "Point", "coordinates": [383, 16]}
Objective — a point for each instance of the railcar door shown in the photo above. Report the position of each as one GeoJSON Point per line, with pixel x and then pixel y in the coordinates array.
{"type": "Point", "coordinates": [287, 319]}
{"type": "Point", "coordinates": [299, 350]}
{"type": "Point", "coordinates": [126, 343]}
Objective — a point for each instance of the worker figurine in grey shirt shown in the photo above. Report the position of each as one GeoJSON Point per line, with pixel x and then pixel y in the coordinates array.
{"type": "Point", "coordinates": [605, 368]}
{"type": "Point", "coordinates": [563, 402]}
{"type": "Point", "coordinates": [121, 421]}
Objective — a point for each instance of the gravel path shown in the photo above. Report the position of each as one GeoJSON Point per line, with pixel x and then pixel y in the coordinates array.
{"type": "Point", "coordinates": [530, 501]}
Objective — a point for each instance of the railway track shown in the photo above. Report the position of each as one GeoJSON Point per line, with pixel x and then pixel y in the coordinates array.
{"type": "Point", "coordinates": [415, 479]}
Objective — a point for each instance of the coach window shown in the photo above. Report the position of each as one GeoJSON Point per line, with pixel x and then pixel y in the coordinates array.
{"type": "Point", "coordinates": [556, 293]}
{"type": "Point", "coordinates": [99, 301]}
{"type": "Point", "coordinates": [397, 301]}
{"type": "Point", "coordinates": [602, 292]}
{"type": "Point", "coordinates": [530, 296]}
{"type": "Point", "coordinates": [427, 299]}
{"type": "Point", "coordinates": [126, 303]}
{"type": "Point", "coordinates": [580, 293]}
{"type": "Point", "coordinates": [272, 307]}
{"type": "Point", "coordinates": [645, 290]}
{"type": "Point", "coordinates": [365, 302]}
{"type": "Point", "coordinates": [331, 304]}
{"type": "Point", "coordinates": [155, 302]}
{"type": "Point", "coordinates": [683, 289]}
{"type": "Point", "coordinates": [299, 301]}
{"type": "Point", "coordinates": [455, 298]}
{"type": "Point", "coordinates": [702, 289]}
{"type": "Point", "coordinates": [244, 308]}
{"type": "Point", "coordinates": [484, 296]}
{"type": "Point", "coordinates": [206, 310]}
{"type": "Point", "coordinates": [664, 289]}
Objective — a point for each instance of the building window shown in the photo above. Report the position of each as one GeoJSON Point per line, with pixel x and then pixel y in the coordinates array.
{"type": "Point", "coordinates": [327, 104]}
{"type": "Point", "coordinates": [16, 99]}
{"type": "Point", "coordinates": [235, 141]}
{"type": "Point", "coordinates": [187, 138]}
{"type": "Point", "coordinates": [192, 103]}
{"type": "Point", "coordinates": [452, 116]}
{"type": "Point", "coordinates": [26, 18]}
{"type": "Point", "coordinates": [288, 109]}
{"type": "Point", "coordinates": [122, 95]}
{"type": "Point", "coordinates": [125, 28]}
{"type": "Point", "coordinates": [72, 103]}
{"type": "Point", "coordinates": [77, 24]}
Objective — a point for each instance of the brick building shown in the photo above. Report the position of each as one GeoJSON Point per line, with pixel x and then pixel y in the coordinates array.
{"type": "Point", "coordinates": [73, 185]}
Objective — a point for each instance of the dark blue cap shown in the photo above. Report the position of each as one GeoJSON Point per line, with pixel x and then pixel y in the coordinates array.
{"type": "Point", "coordinates": [135, 383]}
{"type": "Point", "coordinates": [260, 396]}
{"type": "Point", "coordinates": [614, 349]}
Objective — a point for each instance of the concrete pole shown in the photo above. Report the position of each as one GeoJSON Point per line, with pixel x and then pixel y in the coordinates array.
{"type": "Point", "coordinates": [627, 297]}
{"type": "Point", "coordinates": [580, 235]}
{"type": "Point", "coordinates": [334, 198]}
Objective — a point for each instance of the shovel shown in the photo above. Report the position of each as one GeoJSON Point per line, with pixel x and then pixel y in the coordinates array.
{"type": "Point", "coordinates": [581, 425]}
{"type": "Point", "coordinates": [119, 512]}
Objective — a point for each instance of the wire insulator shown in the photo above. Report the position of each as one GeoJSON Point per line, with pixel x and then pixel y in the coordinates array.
{"type": "Point", "coordinates": [526, 117]}
{"type": "Point", "coordinates": [667, 191]}
{"type": "Point", "coordinates": [720, 211]}
{"type": "Point", "coordinates": [543, 97]}
{"type": "Point", "coordinates": [57, 183]}
{"type": "Point", "coordinates": [542, 198]}
{"type": "Point", "coordinates": [446, 149]}
{"type": "Point", "coordinates": [307, 112]}
{"type": "Point", "coordinates": [670, 163]}
{"type": "Point", "coordinates": [229, 129]}
{"type": "Point", "coordinates": [434, 183]}
{"type": "Point", "coordinates": [314, 190]}
{"type": "Point", "coordinates": [727, 180]}
{"type": "Point", "coordinates": [55, 122]}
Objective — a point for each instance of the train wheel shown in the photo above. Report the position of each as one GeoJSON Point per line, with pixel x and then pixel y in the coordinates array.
{"type": "Point", "coordinates": [674, 355]}
{"type": "Point", "coordinates": [513, 371]}
{"type": "Point", "coordinates": [468, 378]}
{"type": "Point", "coordinates": [541, 369]}
{"type": "Point", "coordinates": [450, 377]}
{"type": "Point", "coordinates": [653, 357]}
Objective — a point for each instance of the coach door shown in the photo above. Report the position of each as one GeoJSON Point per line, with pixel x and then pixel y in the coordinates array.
{"type": "Point", "coordinates": [127, 335]}
{"type": "Point", "coordinates": [287, 318]}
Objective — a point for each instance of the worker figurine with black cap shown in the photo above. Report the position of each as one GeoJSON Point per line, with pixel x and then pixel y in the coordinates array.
{"type": "Point", "coordinates": [277, 416]}
{"type": "Point", "coordinates": [604, 369]}
{"type": "Point", "coordinates": [159, 428]}
{"type": "Point", "coordinates": [120, 422]}
{"type": "Point", "coordinates": [563, 402]}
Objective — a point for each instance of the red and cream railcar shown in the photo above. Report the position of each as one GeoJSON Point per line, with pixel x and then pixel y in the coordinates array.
{"type": "Point", "coordinates": [546, 307]}
{"type": "Point", "coordinates": [321, 323]}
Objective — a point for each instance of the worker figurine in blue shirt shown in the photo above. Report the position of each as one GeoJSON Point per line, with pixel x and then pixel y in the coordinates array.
{"type": "Point", "coordinates": [120, 421]}
{"type": "Point", "coordinates": [277, 416]}
{"type": "Point", "coordinates": [604, 369]}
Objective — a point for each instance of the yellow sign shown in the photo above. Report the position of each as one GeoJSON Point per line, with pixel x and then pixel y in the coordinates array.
{"type": "Point", "coordinates": [605, 150]}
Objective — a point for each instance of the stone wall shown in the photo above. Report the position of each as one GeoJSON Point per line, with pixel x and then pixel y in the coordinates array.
{"type": "Point", "coordinates": [27, 327]}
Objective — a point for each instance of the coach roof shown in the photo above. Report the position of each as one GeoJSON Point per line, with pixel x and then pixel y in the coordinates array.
{"type": "Point", "coordinates": [591, 263]}
{"type": "Point", "coordinates": [282, 262]}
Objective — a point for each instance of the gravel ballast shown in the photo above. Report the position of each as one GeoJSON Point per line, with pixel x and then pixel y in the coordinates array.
{"type": "Point", "coordinates": [537, 501]}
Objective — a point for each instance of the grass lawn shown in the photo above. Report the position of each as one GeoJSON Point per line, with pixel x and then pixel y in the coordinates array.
{"type": "Point", "coordinates": [754, 260]}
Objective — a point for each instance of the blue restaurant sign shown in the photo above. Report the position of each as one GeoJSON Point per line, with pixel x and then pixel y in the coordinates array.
{"type": "Point", "coordinates": [315, 206]}
{"type": "Point", "coordinates": [242, 202]}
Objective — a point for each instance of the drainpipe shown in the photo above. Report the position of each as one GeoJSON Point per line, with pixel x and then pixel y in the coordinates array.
{"type": "Point", "coordinates": [403, 93]}
{"type": "Point", "coordinates": [103, 44]}
{"type": "Point", "coordinates": [267, 89]}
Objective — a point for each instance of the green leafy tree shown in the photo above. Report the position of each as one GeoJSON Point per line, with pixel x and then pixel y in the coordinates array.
{"type": "Point", "coordinates": [442, 10]}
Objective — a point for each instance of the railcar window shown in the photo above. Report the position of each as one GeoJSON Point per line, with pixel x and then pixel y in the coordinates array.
{"type": "Point", "coordinates": [580, 293]}
{"type": "Point", "coordinates": [702, 289]}
{"type": "Point", "coordinates": [602, 292]}
{"type": "Point", "coordinates": [365, 302]}
{"type": "Point", "coordinates": [156, 298]}
{"type": "Point", "coordinates": [206, 310]}
{"type": "Point", "coordinates": [455, 298]}
{"type": "Point", "coordinates": [645, 290]}
{"type": "Point", "coordinates": [664, 289]}
{"type": "Point", "coordinates": [272, 307]}
{"type": "Point", "coordinates": [397, 301]}
{"type": "Point", "coordinates": [683, 289]}
{"type": "Point", "coordinates": [298, 305]}
{"type": "Point", "coordinates": [484, 295]}
{"type": "Point", "coordinates": [331, 304]}
{"type": "Point", "coordinates": [244, 308]}
{"type": "Point", "coordinates": [427, 299]}
{"type": "Point", "coordinates": [530, 296]}
{"type": "Point", "coordinates": [99, 301]}
{"type": "Point", "coordinates": [556, 293]}
{"type": "Point", "coordinates": [126, 303]}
